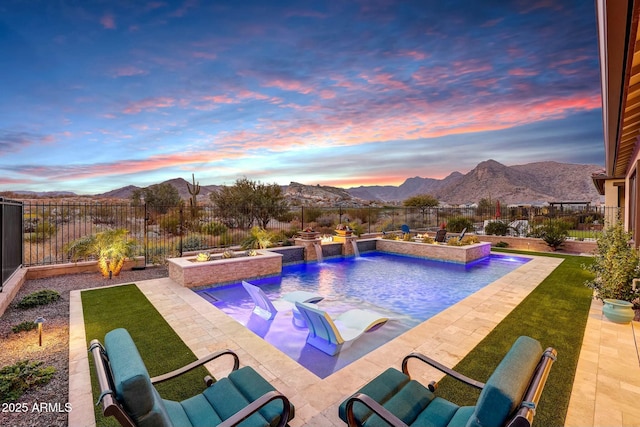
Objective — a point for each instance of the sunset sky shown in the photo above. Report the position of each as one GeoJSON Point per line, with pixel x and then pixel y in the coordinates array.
{"type": "Point", "coordinates": [97, 95]}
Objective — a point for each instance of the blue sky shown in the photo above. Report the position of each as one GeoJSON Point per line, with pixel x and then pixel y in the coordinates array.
{"type": "Point", "coordinates": [98, 95]}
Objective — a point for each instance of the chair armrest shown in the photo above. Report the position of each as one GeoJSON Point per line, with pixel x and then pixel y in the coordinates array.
{"type": "Point", "coordinates": [110, 405]}
{"type": "Point", "coordinates": [374, 406]}
{"type": "Point", "coordinates": [523, 416]}
{"type": "Point", "coordinates": [193, 365]}
{"type": "Point", "coordinates": [256, 405]}
{"type": "Point", "coordinates": [439, 366]}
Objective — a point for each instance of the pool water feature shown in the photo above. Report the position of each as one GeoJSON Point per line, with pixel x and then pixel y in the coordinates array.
{"type": "Point", "coordinates": [407, 290]}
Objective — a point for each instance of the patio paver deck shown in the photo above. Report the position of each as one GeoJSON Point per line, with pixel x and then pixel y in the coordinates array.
{"type": "Point", "coordinates": [448, 337]}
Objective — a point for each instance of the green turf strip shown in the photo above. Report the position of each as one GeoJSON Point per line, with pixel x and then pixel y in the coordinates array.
{"type": "Point", "coordinates": [555, 313]}
{"type": "Point", "coordinates": [160, 347]}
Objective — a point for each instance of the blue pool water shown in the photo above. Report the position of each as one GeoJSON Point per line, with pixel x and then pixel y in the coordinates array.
{"type": "Point", "coordinates": [408, 290]}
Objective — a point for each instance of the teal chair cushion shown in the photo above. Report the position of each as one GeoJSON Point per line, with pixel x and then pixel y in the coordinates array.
{"type": "Point", "coordinates": [132, 383]}
{"type": "Point", "coordinates": [505, 388]}
{"type": "Point", "coordinates": [406, 404]}
{"type": "Point", "coordinates": [217, 403]}
{"type": "Point", "coordinates": [438, 414]}
{"type": "Point", "coordinates": [381, 389]}
{"type": "Point", "coordinates": [253, 386]}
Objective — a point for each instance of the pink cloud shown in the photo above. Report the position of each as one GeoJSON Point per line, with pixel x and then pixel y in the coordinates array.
{"type": "Point", "coordinates": [521, 72]}
{"type": "Point", "coordinates": [108, 21]}
{"type": "Point", "coordinates": [386, 80]}
{"type": "Point", "coordinates": [128, 71]}
{"type": "Point", "coordinates": [204, 55]}
{"type": "Point", "coordinates": [418, 56]}
{"type": "Point", "coordinates": [149, 104]}
{"type": "Point", "coordinates": [291, 85]}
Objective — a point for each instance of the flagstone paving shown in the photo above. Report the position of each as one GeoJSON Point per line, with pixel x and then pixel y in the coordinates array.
{"type": "Point", "coordinates": [447, 337]}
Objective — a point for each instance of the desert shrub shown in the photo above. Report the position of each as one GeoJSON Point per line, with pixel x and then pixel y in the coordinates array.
{"type": "Point", "coordinates": [193, 243]}
{"type": "Point", "coordinates": [470, 240]}
{"type": "Point", "coordinates": [325, 221]}
{"type": "Point", "coordinates": [502, 244]}
{"type": "Point", "coordinates": [159, 253]}
{"type": "Point", "coordinates": [170, 222]}
{"type": "Point", "coordinates": [311, 214]}
{"type": "Point", "coordinates": [213, 228]}
{"type": "Point", "coordinates": [427, 239]}
{"type": "Point", "coordinates": [41, 232]}
{"type": "Point", "coordinates": [291, 232]}
{"type": "Point", "coordinates": [37, 298]}
{"type": "Point", "coordinates": [27, 325]}
{"type": "Point", "coordinates": [362, 214]}
{"type": "Point", "coordinates": [615, 265]}
{"type": "Point", "coordinates": [259, 238]}
{"type": "Point", "coordinates": [225, 239]}
{"type": "Point", "coordinates": [554, 232]}
{"type": "Point", "coordinates": [20, 377]}
{"type": "Point", "coordinates": [357, 228]}
{"type": "Point", "coordinates": [466, 240]}
{"type": "Point", "coordinates": [497, 228]}
{"type": "Point", "coordinates": [387, 225]}
{"type": "Point", "coordinates": [287, 216]}
{"type": "Point", "coordinates": [458, 223]}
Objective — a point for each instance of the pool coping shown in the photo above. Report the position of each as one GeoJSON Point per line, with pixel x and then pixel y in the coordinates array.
{"type": "Point", "coordinates": [447, 337]}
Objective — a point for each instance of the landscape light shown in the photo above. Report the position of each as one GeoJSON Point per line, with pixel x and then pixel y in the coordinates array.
{"type": "Point", "coordinates": [40, 321]}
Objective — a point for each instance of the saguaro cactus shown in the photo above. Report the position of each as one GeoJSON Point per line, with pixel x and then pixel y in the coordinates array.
{"type": "Point", "coordinates": [194, 190]}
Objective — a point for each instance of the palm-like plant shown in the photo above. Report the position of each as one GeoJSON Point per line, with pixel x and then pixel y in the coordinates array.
{"type": "Point", "coordinates": [110, 247]}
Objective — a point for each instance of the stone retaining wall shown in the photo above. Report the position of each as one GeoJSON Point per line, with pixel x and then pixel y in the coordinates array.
{"type": "Point", "coordinates": [461, 254]}
{"type": "Point", "coordinates": [223, 271]}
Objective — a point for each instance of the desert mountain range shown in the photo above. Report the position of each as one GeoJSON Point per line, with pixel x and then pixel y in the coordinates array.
{"type": "Point", "coordinates": [532, 183]}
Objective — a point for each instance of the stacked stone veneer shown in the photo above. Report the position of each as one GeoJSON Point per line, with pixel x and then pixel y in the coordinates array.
{"type": "Point", "coordinates": [461, 254]}
{"type": "Point", "coordinates": [222, 271]}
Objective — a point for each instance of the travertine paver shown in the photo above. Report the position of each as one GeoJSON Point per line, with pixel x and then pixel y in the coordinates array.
{"type": "Point", "coordinates": [606, 388]}
{"type": "Point", "coordinates": [448, 337]}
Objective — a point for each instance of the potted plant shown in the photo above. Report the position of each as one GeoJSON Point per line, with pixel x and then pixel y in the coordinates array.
{"type": "Point", "coordinates": [110, 247]}
{"type": "Point", "coordinates": [308, 233]}
{"type": "Point", "coordinates": [615, 265]}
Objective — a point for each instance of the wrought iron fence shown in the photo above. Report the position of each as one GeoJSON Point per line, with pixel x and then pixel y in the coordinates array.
{"type": "Point", "coordinates": [10, 238]}
{"type": "Point", "coordinates": [168, 231]}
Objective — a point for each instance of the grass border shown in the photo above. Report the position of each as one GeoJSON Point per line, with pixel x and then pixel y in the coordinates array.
{"type": "Point", "coordinates": [555, 313]}
{"type": "Point", "coordinates": [160, 347]}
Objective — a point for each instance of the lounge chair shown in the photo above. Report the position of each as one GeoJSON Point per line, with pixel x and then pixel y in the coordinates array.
{"type": "Point", "coordinates": [331, 335]}
{"type": "Point", "coordinates": [128, 393]}
{"type": "Point", "coordinates": [268, 309]}
{"type": "Point", "coordinates": [509, 398]}
{"type": "Point", "coordinates": [441, 235]}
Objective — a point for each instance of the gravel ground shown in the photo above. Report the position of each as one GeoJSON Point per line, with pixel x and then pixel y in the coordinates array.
{"type": "Point", "coordinates": [29, 409]}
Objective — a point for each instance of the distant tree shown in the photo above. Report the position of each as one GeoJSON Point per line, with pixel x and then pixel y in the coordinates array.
{"type": "Point", "coordinates": [234, 203]}
{"type": "Point", "coordinates": [269, 202]}
{"type": "Point", "coordinates": [136, 197]}
{"type": "Point", "coordinates": [485, 205]}
{"type": "Point", "coordinates": [161, 197]}
{"type": "Point", "coordinates": [247, 201]}
{"type": "Point", "coordinates": [422, 202]}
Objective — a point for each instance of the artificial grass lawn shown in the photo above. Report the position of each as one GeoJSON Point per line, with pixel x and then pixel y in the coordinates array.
{"type": "Point", "coordinates": [555, 313]}
{"type": "Point", "coordinates": [160, 347]}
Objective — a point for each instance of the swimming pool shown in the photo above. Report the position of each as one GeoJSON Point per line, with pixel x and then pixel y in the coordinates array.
{"type": "Point", "coordinates": [406, 289]}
